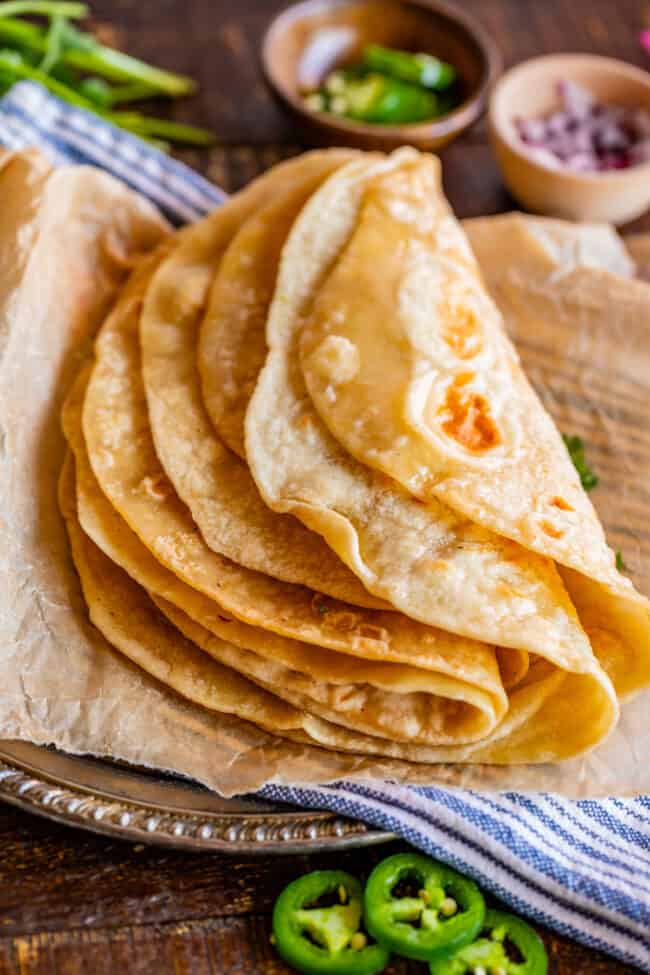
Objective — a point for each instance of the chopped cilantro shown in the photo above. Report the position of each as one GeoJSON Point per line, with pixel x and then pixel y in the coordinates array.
{"type": "Point", "coordinates": [576, 449]}
{"type": "Point", "coordinates": [620, 564]}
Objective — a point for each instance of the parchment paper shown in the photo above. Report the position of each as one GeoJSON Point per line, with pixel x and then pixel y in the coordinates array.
{"type": "Point", "coordinates": [60, 683]}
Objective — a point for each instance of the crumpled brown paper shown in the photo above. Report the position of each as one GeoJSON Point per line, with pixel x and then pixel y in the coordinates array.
{"type": "Point", "coordinates": [60, 682]}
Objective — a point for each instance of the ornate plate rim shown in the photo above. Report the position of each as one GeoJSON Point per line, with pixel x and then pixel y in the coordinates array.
{"type": "Point", "coordinates": [145, 806]}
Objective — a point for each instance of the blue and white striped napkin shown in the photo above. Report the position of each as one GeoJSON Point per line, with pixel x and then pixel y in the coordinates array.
{"type": "Point", "coordinates": [580, 867]}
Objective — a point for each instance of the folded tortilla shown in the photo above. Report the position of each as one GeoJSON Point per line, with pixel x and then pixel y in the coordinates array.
{"type": "Point", "coordinates": [438, 399]}
{"type": "Point", "coordinates": [131, 623]}
{"type": "Point", "coordinates": [193, 662]}
{"type": "Point", "coordinates": [489, 660]}
{"type": "Point", "coordinates": [429, 562]}
{"type": "Point", "coordinates": [533, 249]}
{"type": "Point", "coordinates": [215, 484]}
{"type": "Point", "coordinates": [253, 256]}
{"type": "Point", "coordinates": [433, 394]}
{"type": "Point", "coordinates": [387, 699]}
{"type": "Point", "coordinates": [198, 665]}
{"type": "Point", "coordinates": [240, 297]}
{"type": "Point", "coordinates": [124, 461]}
{"type": "Point", "coordinates": [514, 741]}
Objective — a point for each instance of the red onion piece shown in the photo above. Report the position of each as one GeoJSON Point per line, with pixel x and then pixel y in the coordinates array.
{"type": "Point", "coordinates": [584, 135]}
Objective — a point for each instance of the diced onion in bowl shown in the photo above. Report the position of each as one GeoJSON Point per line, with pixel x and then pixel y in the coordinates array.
{"type": "Point", "coordinates": [585, 135]}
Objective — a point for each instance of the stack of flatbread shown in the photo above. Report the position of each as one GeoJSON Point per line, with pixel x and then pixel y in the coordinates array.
{"type": "Point", "coordinates": [309, 485]}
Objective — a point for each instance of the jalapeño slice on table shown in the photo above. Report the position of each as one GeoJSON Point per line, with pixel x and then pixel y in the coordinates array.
{"type": "Point", "coordinates": [421, 909]}
{"type": "Point", "coordinates": [505, 946]}
{"type": "Point", "coordinates": [317, 926]}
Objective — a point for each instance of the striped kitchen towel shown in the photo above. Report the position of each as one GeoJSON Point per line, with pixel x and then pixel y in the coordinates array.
{"type": "Point", "coordinates": [30, 116]}
{"type": "Point", "coordinates": [580, 867]}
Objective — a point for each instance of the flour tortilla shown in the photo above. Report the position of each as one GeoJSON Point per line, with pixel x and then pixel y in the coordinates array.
{"type": "Point", "coordinates": [406, 725]}
{"type": "Point", "coordinates": [402, 701]}
{"type": "Point", "coordinates": [232, 344]}
{"type": "Point", "coordinates": [125, 463]}
{"type": "Point", "coordinates": [529, 733]}
{"type": "Point", "coordinates": [453, 417]}
{"type": "Point", "coordinates": [132, 624]}
{"type": "Point", "coordinates": [209, 478]}
{"type": "Point", "coordinates": [438, 399]}
{"type": "Point", "coordinates": [432, 564]}
{"type": "Point", "coordinates": [128, 619]}
{"type": "Point", "coordinates": [232, 347]}
{"type": "Point", "coordinates": [532, 248]}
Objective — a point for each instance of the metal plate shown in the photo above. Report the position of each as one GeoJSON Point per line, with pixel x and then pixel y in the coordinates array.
{"type": "Point", "coordinates": [149, 807]}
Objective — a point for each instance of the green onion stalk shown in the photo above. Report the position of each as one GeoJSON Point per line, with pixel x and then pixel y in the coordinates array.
{"type": "Point", "coordinates": [13, 68]}
{"type": "Point", "coordinates": [83, 52]}
{"type": "Point", "coordinates": [77, 68]}
{"type": "Point", "coordinates": [18, 8]}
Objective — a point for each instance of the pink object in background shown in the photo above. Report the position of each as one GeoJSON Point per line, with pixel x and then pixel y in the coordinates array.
{"type": "Point", "coordinates": [645, 40]}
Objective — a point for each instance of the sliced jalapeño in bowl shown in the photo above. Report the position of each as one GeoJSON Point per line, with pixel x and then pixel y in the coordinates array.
{"type": "Point", "coordinates": [418, 69]}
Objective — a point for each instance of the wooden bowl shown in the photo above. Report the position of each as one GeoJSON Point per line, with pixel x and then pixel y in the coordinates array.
{"type": "Point", "coordinates": [416, 25]}
{"type": "Point", "coordinates": [529, 91]}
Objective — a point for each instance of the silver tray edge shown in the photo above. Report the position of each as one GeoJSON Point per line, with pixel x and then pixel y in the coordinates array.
{"type": "Point", "coordinates": [279, 831]}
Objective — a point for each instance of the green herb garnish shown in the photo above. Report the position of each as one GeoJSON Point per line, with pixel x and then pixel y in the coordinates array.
{"type": "Point", "coordinates": [76, 67]}
{"type": "Point", "coordinates": [620, 564]}
{"type": "Point", "coordinates": [576, 449]}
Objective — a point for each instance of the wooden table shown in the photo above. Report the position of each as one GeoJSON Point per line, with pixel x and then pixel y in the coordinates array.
{"type": "Point", "coordinates": [75, 903]}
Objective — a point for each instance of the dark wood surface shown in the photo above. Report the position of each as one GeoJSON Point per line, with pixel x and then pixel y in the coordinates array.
{"type": "Point", "coordinates": [75, 903]}
{"type": "Point", "coordinates": [217, 41]}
